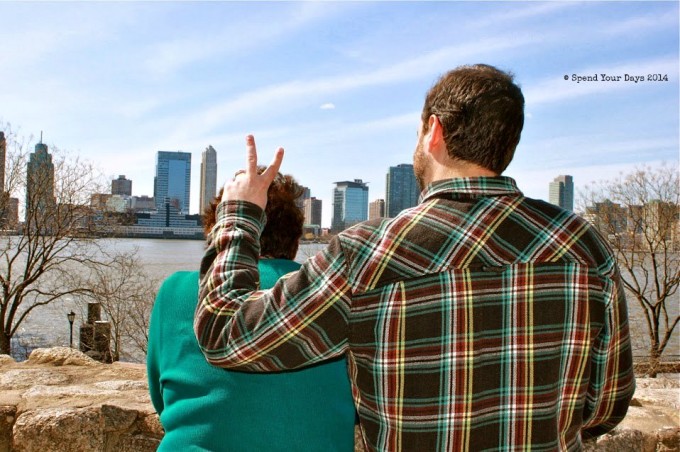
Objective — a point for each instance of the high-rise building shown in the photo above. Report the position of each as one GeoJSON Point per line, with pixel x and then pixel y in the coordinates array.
{"type": "Point", "coordinates": [306, 194]}
{"type": "Point", "coordinates": [39, 182]}
{"type": "Point", "coordinates": [208, 188]}
{"type": "Point", "coordinates": [121, 186]}
{"type": "Point", "coordinates": [173, 180]}
{"type": "Point", "coordinates": [376, 209]}
{"type": "Point", "coordinates": [562, 192]}
{"type": "Point", "coordinates": [312, 211]}
{"type": "Point", "coordinates": [3, 156]}
{"type": "Point", "coordinates": [401, 189]}
{"type": "Point", "coordinates": [350, 204]}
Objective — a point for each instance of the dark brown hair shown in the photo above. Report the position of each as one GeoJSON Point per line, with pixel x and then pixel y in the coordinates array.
{"type": "Point", "coordinates": [285, 219]}
{"type": "Point", "coordinates": [482, 114]}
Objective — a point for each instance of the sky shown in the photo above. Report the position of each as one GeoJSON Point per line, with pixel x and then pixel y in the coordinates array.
{"type": "Point", "coordinates": [339, 85]}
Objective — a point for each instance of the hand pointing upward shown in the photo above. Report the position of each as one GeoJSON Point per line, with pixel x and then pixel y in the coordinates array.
{"type": "Point", "coordinates": [247, 185]}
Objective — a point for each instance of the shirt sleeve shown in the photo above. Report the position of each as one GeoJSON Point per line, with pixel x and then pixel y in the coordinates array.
{"type": "Point", "coordinates": [612, 381]}
{"type": "Point", "coordinates": [302, 320]}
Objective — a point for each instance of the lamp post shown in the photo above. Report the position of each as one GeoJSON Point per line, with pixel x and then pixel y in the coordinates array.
{"type": "Point", "coordinates": [71, 316]}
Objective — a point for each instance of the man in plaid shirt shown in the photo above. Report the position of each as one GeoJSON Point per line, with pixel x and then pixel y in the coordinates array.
{"type": "Point", "coordinates": [478, 320]}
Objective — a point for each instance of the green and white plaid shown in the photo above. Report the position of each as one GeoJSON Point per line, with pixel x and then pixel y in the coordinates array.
{"type": "Point", "coordinates": [478, 320]}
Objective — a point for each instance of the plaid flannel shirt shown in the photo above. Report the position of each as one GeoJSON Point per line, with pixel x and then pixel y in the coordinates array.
{"type": "Point", "coordinates": [478, 320]}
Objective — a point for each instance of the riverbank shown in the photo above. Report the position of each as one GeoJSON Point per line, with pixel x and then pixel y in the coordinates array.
{"type": "Point", "coordinates": [61, 400]}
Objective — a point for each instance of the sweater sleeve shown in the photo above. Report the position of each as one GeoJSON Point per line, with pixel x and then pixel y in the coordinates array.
{"type": "Point", "coordinates": [154, 353]}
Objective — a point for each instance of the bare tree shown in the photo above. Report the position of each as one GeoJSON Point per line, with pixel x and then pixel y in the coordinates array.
{"type": "Point", "coordinates": [638, 214]}
{"type": "Point", "coordinates": [126, 294]}
{"type": "Point", "coordinates": [41, 261]}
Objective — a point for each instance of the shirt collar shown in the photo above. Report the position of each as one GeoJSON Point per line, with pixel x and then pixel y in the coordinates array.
{"type": "Point", "coordinates": [471, 187]}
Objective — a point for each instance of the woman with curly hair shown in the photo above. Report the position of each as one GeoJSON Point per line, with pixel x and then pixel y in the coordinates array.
{"type": "Point", "coordinates": [206, 408]}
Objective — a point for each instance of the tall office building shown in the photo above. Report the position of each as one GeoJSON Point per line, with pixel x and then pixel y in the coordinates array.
{"type": "Point", "coordinates": [39, 182]}
{"type": "Point", "coordinates": [173, 180]}
{"type": "Point", "coordinates": [376, 209]}
{"type": "Point", "coordinates": [121, 186]}
{"type": "Point", "coordinates": [401, 189]}
{"type": "Point", "coordinates": [562, 192]}
{"type": "Point", "coordinates": [312, 211]}
{"type": "Point", "coordinates": [350, 204]}
{"type": "Point", "coordinates": [208, 178]}
{"type": "Point", "coordinates": [306, 194]}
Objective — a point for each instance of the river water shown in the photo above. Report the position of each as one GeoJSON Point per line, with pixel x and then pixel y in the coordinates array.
{"type": "Point", "coordinates": [48, 325]}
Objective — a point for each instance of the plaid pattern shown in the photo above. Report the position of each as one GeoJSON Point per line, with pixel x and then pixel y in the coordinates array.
{"type": "Point", "coordinates": [478, 320]}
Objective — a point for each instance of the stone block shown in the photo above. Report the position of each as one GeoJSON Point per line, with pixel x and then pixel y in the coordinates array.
{"type": "Point", "coordinates": [60, 356]}
{"type": "Point", "coordinates": [117, 419]}
{"type": "Point", "coordinates": [59, 430]}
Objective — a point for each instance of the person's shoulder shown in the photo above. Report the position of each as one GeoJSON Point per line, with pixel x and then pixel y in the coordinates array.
{"type": "Point", "coordinates": [179, 280]}
{"type": "Point", "coordinates": [588, 243]}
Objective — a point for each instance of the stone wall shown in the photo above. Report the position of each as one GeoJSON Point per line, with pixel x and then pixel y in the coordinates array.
{"type": "Point", "coordinates": [61, 400]}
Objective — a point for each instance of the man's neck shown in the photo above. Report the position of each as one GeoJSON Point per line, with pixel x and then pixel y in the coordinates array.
{"type": "Point", "coordinates": [459, 170]}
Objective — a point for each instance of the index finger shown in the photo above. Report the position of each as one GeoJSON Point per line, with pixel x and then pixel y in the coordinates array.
{"type": "Point", "coordinates": [251, 158]}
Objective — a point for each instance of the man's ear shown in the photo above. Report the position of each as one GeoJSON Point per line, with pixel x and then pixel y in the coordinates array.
{"type": "Point", "coordinates": [435, 135]}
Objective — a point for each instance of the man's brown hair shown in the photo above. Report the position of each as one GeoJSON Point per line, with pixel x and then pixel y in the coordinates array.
{"type": "Point", "coordinates": [285, 219]}
{"type": "Point", "coordinates": [482, 114]}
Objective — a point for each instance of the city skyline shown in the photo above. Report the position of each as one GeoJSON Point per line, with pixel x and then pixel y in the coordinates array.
{"type": "Point", "coordinates": [339, 85]}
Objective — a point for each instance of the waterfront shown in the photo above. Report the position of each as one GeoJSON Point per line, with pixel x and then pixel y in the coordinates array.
{"type": "Point", "coordinates": [48, 325]}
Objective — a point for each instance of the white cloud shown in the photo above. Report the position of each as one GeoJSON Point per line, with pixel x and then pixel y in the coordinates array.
{"type": "Point", "coordinates": [327, 106]}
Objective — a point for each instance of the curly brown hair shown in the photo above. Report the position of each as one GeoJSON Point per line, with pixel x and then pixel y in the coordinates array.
{"type": "Point", "coordinates": [285, 219]}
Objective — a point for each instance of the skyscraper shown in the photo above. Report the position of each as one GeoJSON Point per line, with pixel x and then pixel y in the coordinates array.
{"type": "Point", "coordinates": [376, 209]}
{"type": "Point", "coordinates": [173, 180]}
{"type": "Point", "coordinates": [562, 192]}
{"type": "Point", "coordinates": [350, 204]}
{"type": "Point", "coordinates": [312, 211]}
{"type": "Point", "coordinates": [401, 189]}
{"type": "Point", "coordinates": [208, 188]}
{"type": "Point", "coordinates": [121, 186]}
{"type": "Point", "coordinates": [306, 194]}
{"type": "Point", "coordinates": [39, 183]}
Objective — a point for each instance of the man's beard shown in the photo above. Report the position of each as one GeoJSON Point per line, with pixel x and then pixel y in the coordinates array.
{"type": "Point", "coordinates": [421, 166]}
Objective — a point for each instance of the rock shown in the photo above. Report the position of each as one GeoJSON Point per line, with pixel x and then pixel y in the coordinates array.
{"type": "Point", "coordinates": [666, 397]}
{"type": "Point", "coordinates": [117, 418]}
{"type": "Point", "coordinates": [25, 378]}
{"type": "Point", "coordinates": [668, 440]}
{"type": "Point", "coordinates": [138, 443]}
{"type": "Point", "coordinates": [60, 393]}
{"type": "Point", "coordinates": [662, 382]}
{"type": "Point", "coordinates": [60, 356]}
{"type": "Point", "coordinates": [59, 430]}
{"type": "Point", "coordinates": [7, 417]}
{"type": "Point", "coordinates": [622, 441]}
{"type": "Point", "coordinates": [150, 426]}
{"type": "Point", "coordinates": [122, 385]}
{"type": "Point", "coordinates": [6, 359]}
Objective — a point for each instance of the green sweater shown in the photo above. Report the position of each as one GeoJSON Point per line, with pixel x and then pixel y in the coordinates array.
{"type": "Point", "coordinates": [206, 408]}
